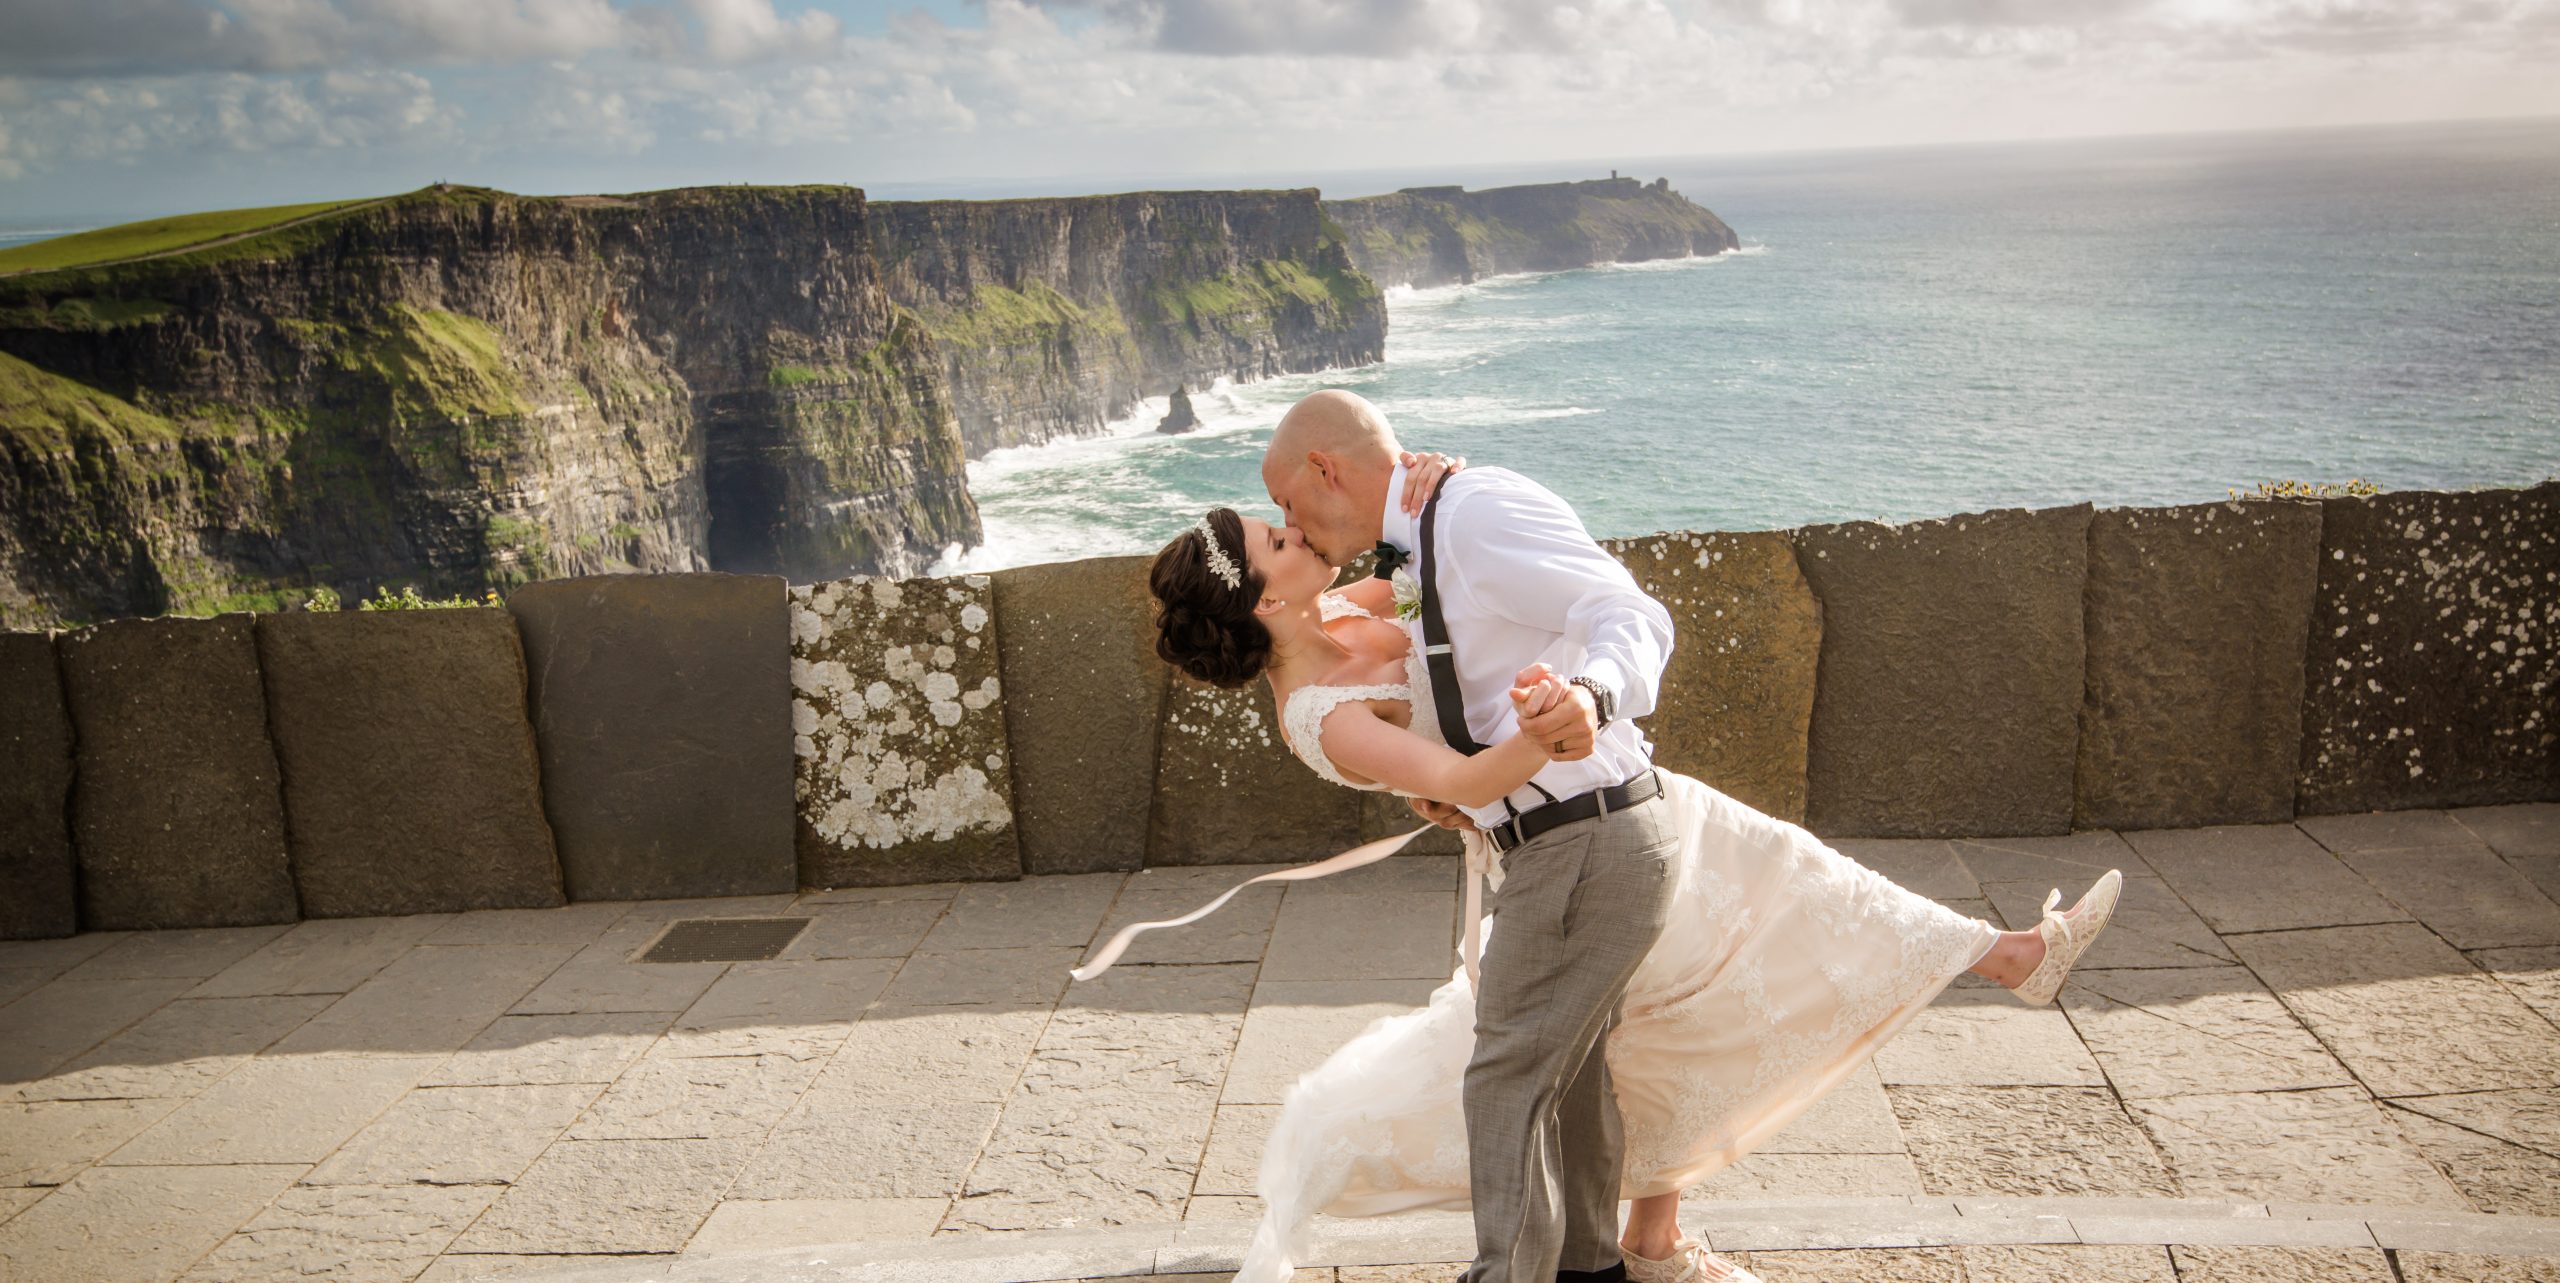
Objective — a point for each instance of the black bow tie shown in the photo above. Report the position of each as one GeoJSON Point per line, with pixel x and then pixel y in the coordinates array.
{"type": "Point", "coordinates": [1389, 558]}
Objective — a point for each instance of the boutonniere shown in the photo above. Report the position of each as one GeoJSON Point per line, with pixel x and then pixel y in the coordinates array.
{"type": "Point", "coordinates": [1408, 594]}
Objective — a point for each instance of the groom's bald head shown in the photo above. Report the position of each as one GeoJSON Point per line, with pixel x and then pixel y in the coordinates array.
{"type": "Point", "coordinates": [1328, 468]}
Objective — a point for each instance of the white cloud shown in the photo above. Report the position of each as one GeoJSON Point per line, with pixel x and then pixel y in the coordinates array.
{"type": "Point", "coordinates": [704, 87]}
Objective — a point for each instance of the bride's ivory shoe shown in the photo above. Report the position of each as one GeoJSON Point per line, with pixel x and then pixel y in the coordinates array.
{"type": "Point", "coordinates": [2067, 936]}
{"type": "Point", "coordinates": [1689, 1262]}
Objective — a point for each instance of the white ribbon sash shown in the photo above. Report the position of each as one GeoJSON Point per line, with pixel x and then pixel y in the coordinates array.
{"type": "Point", "coordinates": [1365, 853]}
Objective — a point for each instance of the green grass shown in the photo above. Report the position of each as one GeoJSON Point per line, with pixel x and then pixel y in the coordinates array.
{"type": "Point", "coordinates": [154, 236]}
{"type": "Point", "coordinates": [48, 411]}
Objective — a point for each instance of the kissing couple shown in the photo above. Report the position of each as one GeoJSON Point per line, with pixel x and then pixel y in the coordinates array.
{"type": "Point", "coordinates": [1667, 978]}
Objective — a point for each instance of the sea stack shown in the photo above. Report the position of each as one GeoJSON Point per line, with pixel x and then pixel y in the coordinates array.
{"type": "Point", "coordinates": [1179, 418]}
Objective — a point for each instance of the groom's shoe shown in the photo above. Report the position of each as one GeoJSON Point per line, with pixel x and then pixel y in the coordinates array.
{"type": "Point", "coordinates": [1614, 1274]}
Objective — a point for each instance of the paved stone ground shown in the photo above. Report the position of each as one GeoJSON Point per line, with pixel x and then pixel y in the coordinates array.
{"type": "Point", "coordinates": [2349, 1011]}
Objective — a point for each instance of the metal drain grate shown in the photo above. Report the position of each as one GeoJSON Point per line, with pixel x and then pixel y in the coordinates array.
{"type": "Point", "coordinates": [725, 940]}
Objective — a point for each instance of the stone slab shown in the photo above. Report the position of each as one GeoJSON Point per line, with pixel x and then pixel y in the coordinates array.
{"type": "Point", "coordinates": [37, 896]}
{"type": "Point", "coordinates": [1061, 910]}
{"type": "Point", "coordinates": [1293, 1025]}
{"type": "Point", "coordinates": [609, 1196]}
{"type": "Point", "coordinates": [1951, 674]}
{"type": "Point", "coordinates": [2465, 894]}
{"type": "Point", "coordinates": [1382, 936]}
{"type": "Point", "coordinates": [2192, 1031]}
{"type": "Point", "coordinates": [1225, 780]}
{"type": "Point", "coordinates": [1238, 932]}
{"type": "Point", "coordinates": [752, 1224]}
{"type": "Point", "coordinates": [118, 1224]}
{"type": "Point", "coordinates": [2265, 877]}
{"type": "Point", "coordinates": [898, 729]}
{"type": "Point", "coordinates": [2193, 707]}
{"type": "Point", "coordinates": [330, 955]}
{"type": "Point", "coordinates": [576, 924]}
{"type": "Point", "coordinates": [1085, 705]}
{"type": "Point", "coordinates": [593, 1047]}
{"type": "Point", "coordinates": [697, 1098]}
{"type": "Point", "coordinates": [2280, 1265]}
{"type": "Point", "coordinates": [662, 706]}
{"type": "Point", "coordinates": [192, 953]}
{"type": "Point", "coordinates": [2530, 974]}
{"type": "Point", "coordinates": [179, 1050]}
{"type": "Point", "coordinates": [1009, 978]}
{"type": "Point", "coordinates": [434, 999]}
{"type": "Point", "coordinates": [48, 1142]}
{"type": "Point", "coordinates": [2027, 1140]}
{"type": "Point", "coordinates": [2044, 1263]}
{"type": "Point", "coordinates": [55, 956]}
{"type": "Point", "coordinates": [1889, 1265]}
{"type": "Point", "coordinates": [411, 784]}
{"type": "Point", "coordinates": [2469, 1267]}
{"type": "Point", "coordinates": [863, 928]}
{"type": "Point", "coordinates": [1737, 699]}
{"type": "Point", "coordinates": [2404, 1011]}
{"type": "Point", "coordinates": [359, 1234]}
{"type": "Point", "coordinates": [1853, 1118]}
{"type": "Point", "coordinates": [176, 811]}
{"type": "Point", "coordinates": [456, 1136]}
{"type": "Point", "coordinates": [467, 1267]}
{"type": "Point", "coordinates": [2519, 831]}
{"type": "Point", "coordinates": [870, 1147]}
{"type": "Point", "coordinates": [2327, 1145]}
{"type": "Point", "coordinates": [67, 1017]}
{"type": "Point", "coordinates": [1987, 1038]}
{"type": "Point", "coordinates": [2373, 831]}
{"type": "Point", "coordinates": [2432, 659]}
{"type": "Point", "coordinates": [1766, 1175]}
{"type": "Point", "coordinates": [2500, 1148]}
{"type": "Point", "coordinates": [604, 977]}
{"type": "Point", "coordinates": [1923, 866]}
{"type": "Point", "coordinates": [290, 1109]}
{"type": "Point", "coordinates": [799, 1009]}
{"type": "Point", "coordinates": [934, 1053]}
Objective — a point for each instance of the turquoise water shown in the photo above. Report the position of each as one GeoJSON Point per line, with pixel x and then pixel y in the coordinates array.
{"type": "Point", "coordinates": [1926, 331]}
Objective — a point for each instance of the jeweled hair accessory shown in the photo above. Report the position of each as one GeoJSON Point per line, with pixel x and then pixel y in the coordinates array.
{"type": "Point", "coordinates": [1220, 564]}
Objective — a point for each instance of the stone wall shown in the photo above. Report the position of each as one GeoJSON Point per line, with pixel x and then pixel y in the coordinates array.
{"type": "Point", "coordinates": [629, 736]}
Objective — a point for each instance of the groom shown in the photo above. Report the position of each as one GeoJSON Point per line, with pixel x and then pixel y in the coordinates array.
{"type": "Point", "coordinates": [1510, 579]}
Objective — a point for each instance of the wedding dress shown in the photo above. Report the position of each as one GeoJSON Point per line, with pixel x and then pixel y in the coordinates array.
{"type": "Point", "coordinates": [1783, 966]}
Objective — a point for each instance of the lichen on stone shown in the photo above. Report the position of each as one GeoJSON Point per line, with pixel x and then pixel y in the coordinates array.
{"type": "Point", "coordinates": [899, 731]}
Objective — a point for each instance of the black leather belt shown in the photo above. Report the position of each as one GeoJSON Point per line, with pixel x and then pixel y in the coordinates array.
{"type": "Point", "coordinates": [1581, 806]}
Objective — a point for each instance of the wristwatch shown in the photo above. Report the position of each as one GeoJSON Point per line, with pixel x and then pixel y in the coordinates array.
{"type": "Point", "coordinates": [1604, 701]}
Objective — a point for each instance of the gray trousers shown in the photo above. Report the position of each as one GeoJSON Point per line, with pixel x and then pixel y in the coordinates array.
{"type": "Point", "coordinates": [1580, 906]}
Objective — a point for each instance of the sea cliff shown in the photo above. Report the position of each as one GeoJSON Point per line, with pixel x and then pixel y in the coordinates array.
{"type": "Point", "coordinates": [464, 389]}
{"type": "Point", "coordinates": [1426, 236]}
{"type": "Point", "coordinates": [1055, 317]}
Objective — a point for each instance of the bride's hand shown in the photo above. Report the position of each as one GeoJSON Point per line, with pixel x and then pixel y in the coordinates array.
{"type": "Point", "coordinates": [1536, 691]}
{"type": "Point", "coordinates": [1423, 473]}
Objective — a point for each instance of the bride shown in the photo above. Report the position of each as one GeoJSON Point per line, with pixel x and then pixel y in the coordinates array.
{"type": "Point", "coordinates": [1784, 964]}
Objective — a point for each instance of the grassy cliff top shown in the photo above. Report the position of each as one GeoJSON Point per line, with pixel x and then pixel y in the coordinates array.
{"type": "Point", "coordinates": [160, 236]}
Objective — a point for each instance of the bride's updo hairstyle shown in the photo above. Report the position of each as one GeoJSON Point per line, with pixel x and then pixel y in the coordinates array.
{"type": "Point", "coordinates": [1205, 625]}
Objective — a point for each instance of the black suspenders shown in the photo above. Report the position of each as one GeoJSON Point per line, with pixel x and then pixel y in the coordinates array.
{"type": "Point", "coordinates": [1442, 662]}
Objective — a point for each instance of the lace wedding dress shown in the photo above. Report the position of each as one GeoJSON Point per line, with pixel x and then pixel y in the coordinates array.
{"type": "Point", "coordinates": [1784, 965]}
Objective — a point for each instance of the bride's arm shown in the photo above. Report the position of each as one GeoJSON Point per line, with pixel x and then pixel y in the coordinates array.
{"type": "Point", "coordinates": [1360, 741]}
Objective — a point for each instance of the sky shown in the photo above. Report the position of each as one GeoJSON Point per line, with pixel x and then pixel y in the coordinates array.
{"type": "Point", "coordinates": [117, 109]}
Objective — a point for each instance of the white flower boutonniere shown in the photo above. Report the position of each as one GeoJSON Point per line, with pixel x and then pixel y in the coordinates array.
{"type": "Point", "coordinates": [1408, 594]}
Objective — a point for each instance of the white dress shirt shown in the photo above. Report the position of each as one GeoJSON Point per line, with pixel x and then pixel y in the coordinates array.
{"type": "Point", "coordinates": [1521, 582]}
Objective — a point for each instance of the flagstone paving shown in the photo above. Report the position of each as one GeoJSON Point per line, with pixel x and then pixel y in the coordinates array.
{"type": "Point", "coordinates": [2352, 1013]}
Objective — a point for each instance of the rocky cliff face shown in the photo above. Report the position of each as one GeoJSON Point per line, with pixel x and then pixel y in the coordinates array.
{"type": "Point", "coordinates": [1425, 236]}
{"type": "Point", "coordinates": [1055, 316]}
{"type": "Point", "coordinates": [465, 389]}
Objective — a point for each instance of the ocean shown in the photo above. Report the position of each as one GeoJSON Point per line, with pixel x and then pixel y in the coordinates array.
{"type": "Point", "coordinates": [1925, 331]}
